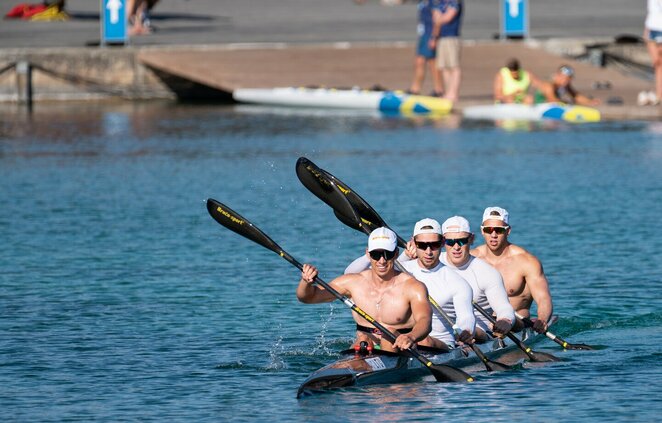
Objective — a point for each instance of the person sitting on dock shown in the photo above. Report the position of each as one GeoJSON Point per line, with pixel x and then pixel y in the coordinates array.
{"type": "Point", "coordinates": [522, 272]}
{"type": "Point", "coordinates": [395, 299]}
{"type": "Point", "coordinates": [512, 83]}
{"type": "Point", "coordinates": [445, 286]}
{"type": "Point", "coordinates": [560, 90]}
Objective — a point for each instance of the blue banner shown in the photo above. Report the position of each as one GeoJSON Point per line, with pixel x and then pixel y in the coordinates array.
{"type": "Point", "coordinates": [514, 18]}
{"type": "Point", "coordinates": [113, 22]}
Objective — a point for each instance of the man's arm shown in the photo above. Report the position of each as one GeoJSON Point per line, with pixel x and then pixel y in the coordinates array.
{"type": "Point", "coordinates": [463, 295]}
{"type": "Point", "coordinates": [497, 297]}
{"type": "Point", "coordinates": [539, 288]}
{"type": "Point", "coordinates": [312, 294]}
{"type": "Point", "coordinates": [583, 100]}
{"type": "Point", "coordinates": [547, 89]}
{"type": "Point", "coordinates": [359, 265]}
{"type": "Point", "coordinates": [420, 311]}
{"type": "Point", "coordinates": [498, 89]}
{"type": "Point", "coordinates": [436, 28]}
{"type": "Point", "coordinates": [449, 14]}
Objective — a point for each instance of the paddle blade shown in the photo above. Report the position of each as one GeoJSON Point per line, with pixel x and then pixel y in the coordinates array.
{"type": "Point", "coordinates": [542, 357]}
{"type": "Point", "coordinates": [445, 373]}
{"type": "Point", "coordinates": [353, 223]}
{"type": "Point", "coordinates": [314, 179]}
{"type": "Point", "coordinates": [578, 347]}
{"type": "Point", "coordinates": [238, 224]}
{"type": "Point", "coordinates": [495, 366]}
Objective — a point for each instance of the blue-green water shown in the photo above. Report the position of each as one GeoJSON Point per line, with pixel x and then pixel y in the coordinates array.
{"type": "Point", "coordinates": [121, 299]}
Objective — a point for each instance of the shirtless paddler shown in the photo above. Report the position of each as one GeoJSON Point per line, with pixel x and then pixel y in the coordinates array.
{"type": "Point", "coordinates": [396, 300]}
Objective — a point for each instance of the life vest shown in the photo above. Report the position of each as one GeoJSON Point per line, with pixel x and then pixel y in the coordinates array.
{"type": "Point", "coordinates": [511, 85]}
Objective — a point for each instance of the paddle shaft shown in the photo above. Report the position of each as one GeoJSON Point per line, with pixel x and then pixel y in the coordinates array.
{"type": "Point", "coordinates": [512, 337]}
{"type": "Point", "coordinates": [562, 342]}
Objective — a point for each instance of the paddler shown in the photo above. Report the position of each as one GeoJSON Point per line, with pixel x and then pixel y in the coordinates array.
{"type": "Point", "coordinates": [392, 298]}
{"type": "Point", "coordinates": [522, 272]}
{"type": "Point", "coordinates": [485, 281]}
{"type": "Point", "coordinates": [444, 285]}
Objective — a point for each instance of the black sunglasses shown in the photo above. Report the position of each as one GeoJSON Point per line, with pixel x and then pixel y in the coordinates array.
{"type": "Point", "coordinates": [498, 229]}
{"type": "Point", "coordinates": [460, 241]}
{"type": "Point", "coordinates": [378, 254]}
{"type": "Point", "coordinates": [434, 245]}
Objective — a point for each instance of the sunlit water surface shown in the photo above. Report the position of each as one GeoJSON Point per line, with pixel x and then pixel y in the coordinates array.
{"type": "Point", "coordinates": [121, 299]}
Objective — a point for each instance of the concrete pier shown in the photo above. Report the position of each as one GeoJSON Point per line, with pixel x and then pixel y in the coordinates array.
{"type": "Point", "coordinates": [339, 45]}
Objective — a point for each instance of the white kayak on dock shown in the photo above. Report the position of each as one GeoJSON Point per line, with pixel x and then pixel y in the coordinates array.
{"type": "Point", "coordinates": [358, 99]}
{"type": "Point", "coordinates": [554, 111]}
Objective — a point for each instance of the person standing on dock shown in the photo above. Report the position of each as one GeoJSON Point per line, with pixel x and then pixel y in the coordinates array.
{"type": "Point", "coordinates": [426, 50]}
{"type": "Point", "coordinates": [395, 299]}
{"type": "Point", "coordinates": [522, 272]}
{"type": "Point", "coordinates": [653, 37]}
{"type": "Point", "coordinates": [447, 21]}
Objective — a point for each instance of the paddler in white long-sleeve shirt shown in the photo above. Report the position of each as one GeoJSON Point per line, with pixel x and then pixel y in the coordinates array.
{"type": "Point", "coordinates": [444, 285]}
{"type": "Point", "coordinates": [485, 281]}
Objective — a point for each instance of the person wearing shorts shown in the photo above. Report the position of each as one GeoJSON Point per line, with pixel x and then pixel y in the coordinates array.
{"type": "Point", "coordinates": [425, 49]}
{"type": "Point", "coordinates": [447, 22]}
{"type": "Point", "coordinates": [653, 37]}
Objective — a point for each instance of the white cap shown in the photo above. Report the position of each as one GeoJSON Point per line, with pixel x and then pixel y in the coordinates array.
{"type": "Point", "coordinates": [382, 239]}
{"type": "Point", "coordinates": [456, 224]}
{"type": "Point", "coordinates": [496, 213]}
{"type": "Point", "coordinates": [427, 226]}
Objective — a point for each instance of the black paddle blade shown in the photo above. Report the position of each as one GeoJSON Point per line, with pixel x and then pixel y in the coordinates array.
{"type": "Point", "coordinates": [444, 373]}
{"type": "Point", "coordinates": [238, 224]}
{"type": "Point", "coordinates": [490, 365]}
{"type": "Point", "coordinates": [353, 223]}
{"type": "Point", "coordinates": [369, 217]}
{"type": "Point", "coordinates": [578, 347]}
{"type": "Point", "coordinates": [495, 366]}
{"type": "Point", "coordinates": [314, 179]}
{"type": "Point", "coordinates": [542, 357]}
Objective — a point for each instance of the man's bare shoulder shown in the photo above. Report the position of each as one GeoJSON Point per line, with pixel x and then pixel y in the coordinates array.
{"type": "Point", "coordinates": [409, 282]}
{"type": "Point", "coordinates": [521, 256]}
{"type": "Point", "coordinates": [479, 251]}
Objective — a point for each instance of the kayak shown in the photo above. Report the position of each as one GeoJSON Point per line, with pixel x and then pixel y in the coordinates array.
{"type": "Point", "coordinates": [384, 367]}
{"type": "Point", "coordinates": [554, 111]}
{"type": "Point", "coordinates": [358, 99]}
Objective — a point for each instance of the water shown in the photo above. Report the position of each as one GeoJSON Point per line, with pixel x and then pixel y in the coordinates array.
{"type": "Point", "coordinates": [121, 299]}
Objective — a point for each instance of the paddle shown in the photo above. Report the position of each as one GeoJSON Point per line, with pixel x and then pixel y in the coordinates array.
{"type": "Point", "coordinates": [346, 204]}
{"type": "Point", "coordinates": [311, 176]}
{"type": "Point", "coordinates": [558, 340]}
{"type": "Point", "coordinates": [238, 224]}
{"type": "Point", "coordinates": [533, 355]}
{"type": "Point", "coordinates": [329, 190]}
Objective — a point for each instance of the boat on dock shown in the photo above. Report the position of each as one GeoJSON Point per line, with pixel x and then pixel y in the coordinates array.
{"type": "Point", "coordinates": [384, 367]}
{"type": "Point", "coordinates": [535, 112]}
{"type": "Point", "coordinates": [394, 102]}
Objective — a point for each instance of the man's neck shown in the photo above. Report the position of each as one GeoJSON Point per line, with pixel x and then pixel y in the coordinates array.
{"type": "Point", "coordinates": [385, 279]}
{"type": "Point", "coordinates": [450, 263]}
{"type": "Point", "coordinates": [424, 266]}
